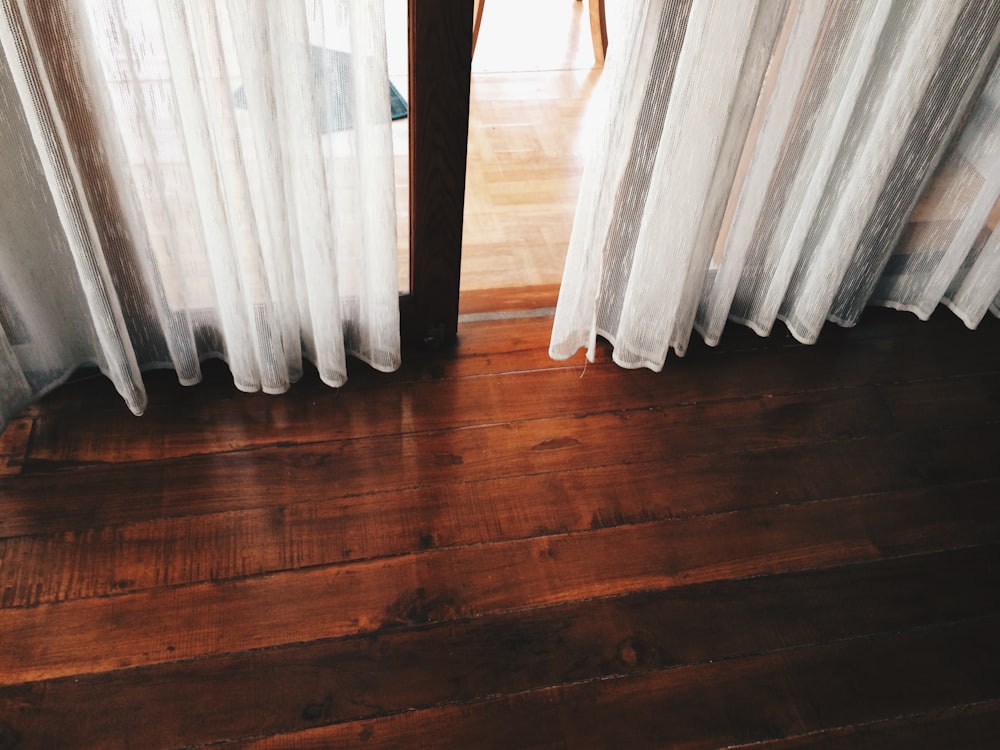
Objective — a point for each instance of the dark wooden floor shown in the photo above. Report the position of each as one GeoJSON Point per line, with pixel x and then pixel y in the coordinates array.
{"type": "Point", "coordinates": [766, 545]}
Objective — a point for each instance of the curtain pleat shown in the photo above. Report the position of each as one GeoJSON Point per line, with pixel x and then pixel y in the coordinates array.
{"type": "Point", "coordinates": [189, 180]}
{"type": "Point", "coordinates": [938, 252]}
{"type": "Point", "coordinates": [782, 159]}
{"type": "Point", "coordinates": [58, 182]}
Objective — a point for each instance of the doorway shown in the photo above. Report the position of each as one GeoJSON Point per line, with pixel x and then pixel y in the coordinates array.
{"type": "Point", "coordinates": [531, 109]}
{"type": "Point", "coordinates": [527, 147]}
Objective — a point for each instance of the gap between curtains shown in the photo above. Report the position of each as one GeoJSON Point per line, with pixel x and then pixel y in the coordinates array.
{"type": "Point", "coordinates": [790, 160]}
{"type": "Point", "coordinates": [184, 180]}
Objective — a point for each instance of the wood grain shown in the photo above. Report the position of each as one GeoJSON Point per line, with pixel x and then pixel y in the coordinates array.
{"type": "Point", "coordinates": [14, 445]}
{"type": "Point", "coordinates": [442, 457]}
{"type": "Point", "coordinates": [250, 421]}
{"type": "Point", "coordinates": [118, 555]}
{"type": "Point", "coordinates": [705, 706]}
{"type": "Point", "coordinates": [976, 725]}
{"type": "Point", "coordinates": [443, 584]}
{"type": "Point", "coordinates": [765, 543]}
{"type": "Point", "coordinates": [285, 690]}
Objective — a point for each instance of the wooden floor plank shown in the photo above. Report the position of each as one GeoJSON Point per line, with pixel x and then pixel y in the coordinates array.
{"type": "Point", "coordinates": [929, 404]}
{"type": "Point", "coordinates": [706, 706]}
{"type": "Point", "coordinates": [290, 689]}
{"type": "Point", "coordinates": [174, 537]}
{"type": "Point", "coordinates": [245, 421]}
{"type": "Point", "coordinates": [114, 632]}
{"type": "Point", "coordinates": [504, 299]}
{"type": "Point", "coordinates": [500, 449]}
{"type": "Point", "coordinates": [418, 407]}
{"type": "Point", "coordinates": [168, 434]}
{"type": "Point", "coordinates": [967, 726]}
{"type": "Point", "coordinates": [113, 559]}
{"type": "Point", "coordinates": [14, 441]}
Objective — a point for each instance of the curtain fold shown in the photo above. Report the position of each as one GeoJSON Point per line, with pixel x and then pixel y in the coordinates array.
{"type": "Point", "coordinates": [766, 160]}
{"type": "Point", "coordinates": [185, 180]}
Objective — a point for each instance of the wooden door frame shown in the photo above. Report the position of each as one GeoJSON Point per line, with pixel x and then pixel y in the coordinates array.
{"type": "Point", "coordinates": [440, 55]}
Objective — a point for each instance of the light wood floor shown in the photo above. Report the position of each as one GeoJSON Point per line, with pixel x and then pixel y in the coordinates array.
{"type": "Point", "coordinates": [527, 143]}
{"type": "Point", "coordinates": [766, 546]}
{"type": "Point", "coordinates": [532, 109]}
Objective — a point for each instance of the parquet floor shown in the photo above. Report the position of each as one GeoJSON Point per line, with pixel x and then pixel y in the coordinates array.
{"type": "Point", "coordinates": [532, 108]}
{"type": "Point", "coordinates": [766, 545]}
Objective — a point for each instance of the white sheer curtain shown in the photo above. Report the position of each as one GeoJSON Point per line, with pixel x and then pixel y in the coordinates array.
{"type": "Point", "coordinates": [792, 160]}
{"type": "Point", "coordinates": [184, 179]}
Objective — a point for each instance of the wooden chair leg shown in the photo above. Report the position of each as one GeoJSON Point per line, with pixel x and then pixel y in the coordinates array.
{"type": "Point", "coordinates": [598, 27]}
{"type": "Point", "coordinates": [598, 30]}
{"type": "Point", "coordinates": [477, 19]}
